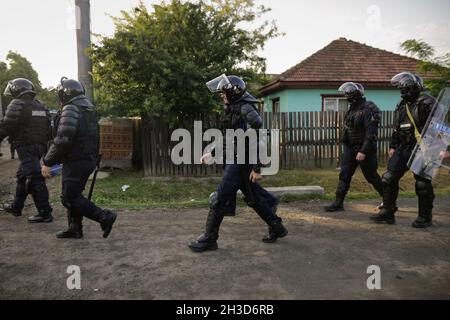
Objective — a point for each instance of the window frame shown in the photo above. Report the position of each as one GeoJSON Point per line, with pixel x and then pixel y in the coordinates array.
{"type": "Point", "coordinates": [275, 101]}
{"type": "Point", "coordinates": [331, 96]}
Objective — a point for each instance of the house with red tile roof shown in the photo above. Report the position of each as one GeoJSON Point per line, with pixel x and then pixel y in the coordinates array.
{"type": "Point", "coordinates": [312, 85]}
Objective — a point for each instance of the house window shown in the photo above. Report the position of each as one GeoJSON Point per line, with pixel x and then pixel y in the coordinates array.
{"type": "Point", "coordinates": [339, 104]}
{"type": "Point", "coordinates": [276, 105]}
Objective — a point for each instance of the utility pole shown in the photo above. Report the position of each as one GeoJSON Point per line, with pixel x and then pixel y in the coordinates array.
{"type": "Point", "coordinates": [83, 12]}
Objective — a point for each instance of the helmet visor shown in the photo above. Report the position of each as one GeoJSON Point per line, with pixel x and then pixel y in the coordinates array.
{"type": "Point", "coordinates": [404, 79]}
{"type": "Point", "coordinates": [348, 88]}
{"type": "Point", "coordinates": [217, 84]}
{"type": "Point", "coordinates": [8, 90]}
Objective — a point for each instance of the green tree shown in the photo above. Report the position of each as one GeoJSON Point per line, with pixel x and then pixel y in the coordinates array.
{"type": "Point", "coordinates": [158, 61]}
{"type": "Point", "coordinates": [19, 67]}
{"type": "Point", "coordinates": [437, 67]}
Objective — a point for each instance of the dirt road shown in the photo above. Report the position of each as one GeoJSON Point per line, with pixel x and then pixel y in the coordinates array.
{"type": "Point", "coordinates": [325, 256]}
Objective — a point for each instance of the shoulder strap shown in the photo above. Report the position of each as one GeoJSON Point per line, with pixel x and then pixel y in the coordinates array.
{"type": "Point", "coordinates": [411, 118]}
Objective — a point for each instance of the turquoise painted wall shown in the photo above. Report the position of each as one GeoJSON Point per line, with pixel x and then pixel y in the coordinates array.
{"type": "Point", "coordinates": [293, 100]}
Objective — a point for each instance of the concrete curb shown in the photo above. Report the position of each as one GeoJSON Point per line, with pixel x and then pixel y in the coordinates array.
{"type": "Point", "coordinates": [297, 190]}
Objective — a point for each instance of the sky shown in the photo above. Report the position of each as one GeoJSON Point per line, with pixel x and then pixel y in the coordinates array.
{"type": "Point", "coordinates": [43, 31]}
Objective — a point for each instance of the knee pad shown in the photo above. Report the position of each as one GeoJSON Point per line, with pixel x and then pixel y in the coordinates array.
{"type": "Point", "coordinates": [389, 178]}
{"type": "Point", "coordinates": [214, 200]}
{"type": "Point", "coordinates": [424, 189]}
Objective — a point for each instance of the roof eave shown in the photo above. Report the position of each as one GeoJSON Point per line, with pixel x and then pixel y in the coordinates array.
{"type": "Point", "coordinates": [282, 85]}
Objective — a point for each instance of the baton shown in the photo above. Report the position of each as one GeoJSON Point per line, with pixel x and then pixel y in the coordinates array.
{"type": "Point", "coordinates": [94, 178]}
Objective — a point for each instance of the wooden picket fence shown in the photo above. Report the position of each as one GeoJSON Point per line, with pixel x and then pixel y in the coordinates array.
{"type": "Point", "coordinates": [308, 140]}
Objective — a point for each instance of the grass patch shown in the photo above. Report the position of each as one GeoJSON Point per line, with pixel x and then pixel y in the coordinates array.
{"type": "Point", "coordinates": [177, 192]}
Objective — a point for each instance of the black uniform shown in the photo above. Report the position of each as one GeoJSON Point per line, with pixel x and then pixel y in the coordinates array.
{"type": "Point", "coordinates": [360, 136]}
{"type": "Point", "coordinates": [403, 141]}
{"type": "Point", "coordinates": [240, 115]}
{"type": "Point", "coordinates": [76, 146]}
{"type": "Point", "coordinates": [12, 151]}
{"type": "Point", "coordinates": [27, 123]}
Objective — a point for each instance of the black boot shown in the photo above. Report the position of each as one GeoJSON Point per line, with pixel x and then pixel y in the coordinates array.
{"type": "Point", "coordinates": [269, 216]}
{"type": "Point", "coordinates": [425, 218]}
{"type": "Point", "coordinates": [337, 205]}
{"type": "Point", "coordinates": [276, 230]}
{"type": "Point", "coordinates": [208, 240]}
{"type": "Point", "coordinates": [389, 205]}
{"type": "Point", "coordinates": [107, 219]}
{"type": "Point", "coordinates": [422, 223]}
{"type": "Point", "coordinates": [204, 243]}
{"type": "Point", "coordinates": [385, 216]}
{"type": "Point", "coordinates": [425, 192]}
{"type": "Point", "coordinates": [39, 193]}
{"type": "Point", "coordinates": [10, 208]}
{"type": "Point", "coordinates": [42, 217]}
{"type": "Point", "coordinates": [341, 192]}
{"type": "Point", "coordinates": [75, 230]}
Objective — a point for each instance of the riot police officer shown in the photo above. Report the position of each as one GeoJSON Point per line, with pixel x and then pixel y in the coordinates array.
{"type": "Point", "coordinates": [360, 143]}
{"type": "Point", "coordinates": [410, 118]}
{"type": "Point", "coordinates": [27, 124]}
{"type": "Point", "coordinates": [240, 113]}
{"type": "Point", "coordinates": [76, 146]}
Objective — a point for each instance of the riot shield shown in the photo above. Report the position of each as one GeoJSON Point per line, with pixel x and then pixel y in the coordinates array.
{"type": "Point", "coordinates": [430, 156]}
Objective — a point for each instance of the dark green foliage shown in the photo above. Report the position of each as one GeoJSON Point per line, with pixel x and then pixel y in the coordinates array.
{"type": "Point", "coordinates": [20, 67]}
{"type": "Point", "coordinates": [437, 67]}
{"type": "Point", "coordinates": [158, 60]}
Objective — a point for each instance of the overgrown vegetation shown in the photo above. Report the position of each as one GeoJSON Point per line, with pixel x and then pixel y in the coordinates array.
{"type": "Point", "coordinates": [437, 66]}
{"type": "Point", "coordinates": [17, 66]}
{"type": "Point", "coordinates": [194, 192]}
{"type": "Point", "coordinates": [159, 59]}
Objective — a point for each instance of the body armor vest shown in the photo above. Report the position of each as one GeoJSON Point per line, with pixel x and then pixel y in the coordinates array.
{"type": "Point", "coordinates": [87, 141]}
{"type": "Point", "coordinates": [35, 125]}
{"type": "Point", "coordinates": [355, 124]}
{"type": "Point", "coordinates": [405, 126]}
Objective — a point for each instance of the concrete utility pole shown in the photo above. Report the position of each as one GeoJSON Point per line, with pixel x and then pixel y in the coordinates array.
{"type": "Point", "coordinates": [83, 12]}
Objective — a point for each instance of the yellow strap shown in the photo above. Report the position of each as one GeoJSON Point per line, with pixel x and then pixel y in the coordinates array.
{"type": "Point", "coordinates": [416, 131]}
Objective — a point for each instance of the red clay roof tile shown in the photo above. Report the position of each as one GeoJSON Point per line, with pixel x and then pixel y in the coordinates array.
{"type": "Point", "coordinates": [344, 60]}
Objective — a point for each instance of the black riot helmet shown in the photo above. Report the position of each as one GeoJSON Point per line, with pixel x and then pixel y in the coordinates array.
{"type": "Point", "coordinates": [69, 89]}
{"type": "Point", "coordinates": [18, 87]}
{"type": "Point", "coordinates": [410, 85]}
{"type": "Point", "coordinates": [354, 92]}
{"type": "Point", "coordinates": [232, 87]}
